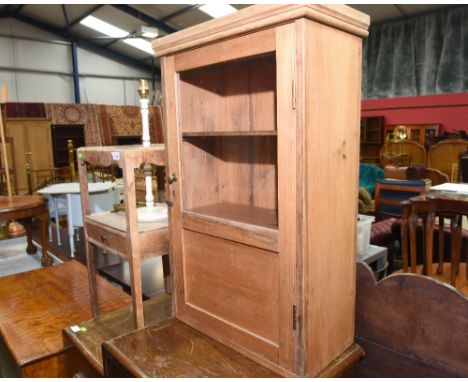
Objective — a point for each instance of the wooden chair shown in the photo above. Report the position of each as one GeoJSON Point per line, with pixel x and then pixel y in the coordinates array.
{"type": "Point", "coordinates": [402, 153]}
{"type": "Point", "coordinates": [436, 176]}
{"type": "Point", "coordinates": [456, 207]}
{"type": "Point", "coordinates": [445, 154]}
{"type": "Point", "coordinates": [390, 193]}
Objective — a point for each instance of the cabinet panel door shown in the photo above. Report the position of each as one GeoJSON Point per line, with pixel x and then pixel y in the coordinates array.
{"type": "Point", "coordinates": [232, 289]}
{"type": "Point", "coordinates": [240, 295]}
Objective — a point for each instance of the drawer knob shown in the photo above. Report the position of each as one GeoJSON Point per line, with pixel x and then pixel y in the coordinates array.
{"type": "Point", "coordinates": [103, 238]}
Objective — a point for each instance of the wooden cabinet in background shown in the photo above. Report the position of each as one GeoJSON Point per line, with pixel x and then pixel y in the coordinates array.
{"type": "Point", "coordinates": [33, 146]}
{"type": "Point", "coordinates": [60, 136]}
{"type": "Point", "coordinates": [423, 134]}
{"type": "Point", "coordinates": [372, 136]}
{"type": "Point", "coordinates": [262, 123]}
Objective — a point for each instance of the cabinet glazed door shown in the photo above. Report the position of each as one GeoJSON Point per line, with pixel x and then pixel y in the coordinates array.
{"type": "Point", "coordinates": [230, 139]}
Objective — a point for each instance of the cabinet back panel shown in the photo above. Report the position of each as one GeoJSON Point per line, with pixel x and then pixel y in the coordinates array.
{"type": "Point", "coordinates": [239, 170]}
{"type": "Point", "coordinates": [235, 96]}
{"type": "Point", "coordinates": [236, 283]}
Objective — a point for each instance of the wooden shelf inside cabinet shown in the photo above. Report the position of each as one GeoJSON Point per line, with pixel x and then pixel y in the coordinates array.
{"type": "Point", "coordinates": [120, 232]}
{"type": "Point", "coordinates": [245, 224]}
{"type": "Point", "coordinates": [207, 134]}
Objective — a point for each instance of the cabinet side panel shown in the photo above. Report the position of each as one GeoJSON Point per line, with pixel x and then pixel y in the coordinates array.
{"type": "Point", "coordinates": [332, 108]}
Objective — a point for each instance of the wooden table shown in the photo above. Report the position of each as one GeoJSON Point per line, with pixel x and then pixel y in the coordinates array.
{"type": "Point", "coordinates": [25, 208]}
{"type": "Point", "coordinates": [70, 192]}
{"type": "Point", "coordinates": [427, 207]}
{"type": "Point", "coordinates": [37, 305]}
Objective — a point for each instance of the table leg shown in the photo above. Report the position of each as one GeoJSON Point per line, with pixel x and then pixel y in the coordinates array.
{"type": "Point", "coordinates": [430, 222]}
{"type": "Point", "coordinates": [91, 265]}
{"type": "Point", "coordinates": [57, 221]}
{"type": "Point", "coordinates": [70, 226]}
{"type": "Point", "coordinates": [166, 264]}
{"type": "Point", "coordinates": [43, 218]}
{"type": "Point", "coordinates": [31, 249]}
{"type": "Point", "coordinates": [137, 296]}
{"type": "Point", "coordinates": [440, 268]}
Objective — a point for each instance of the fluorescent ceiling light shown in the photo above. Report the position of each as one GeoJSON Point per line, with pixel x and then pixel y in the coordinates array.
{"type": "Point", "coordinates": [103, 27]}
{"type": "Point", "coordinates": [141, 44]}
{"type": "Point", "coordinates": [149, 32]}
{"type": "Point", "coordinates": [115, 32]}
{"type": "Point", "coordinates": [216, 10]}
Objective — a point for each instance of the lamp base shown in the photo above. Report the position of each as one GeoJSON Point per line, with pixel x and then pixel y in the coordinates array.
{"type": "Point", "coordinates": [15, 229]}
{"type": "Point", "coordinates": [152, 214]}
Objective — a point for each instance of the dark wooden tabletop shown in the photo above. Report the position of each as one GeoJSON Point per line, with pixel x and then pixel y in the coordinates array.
{"type": "Point", "coordinates": [37, 305]}
{"type": "Point", "coordinates": [16, 203]}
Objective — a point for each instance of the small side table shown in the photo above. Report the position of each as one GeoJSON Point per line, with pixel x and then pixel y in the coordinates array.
{"type": "Point", "coordinates": [25, 208]}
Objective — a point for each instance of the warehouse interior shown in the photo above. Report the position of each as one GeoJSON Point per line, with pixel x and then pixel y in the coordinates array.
{"type": "Point", "coordinates": [243, 190]}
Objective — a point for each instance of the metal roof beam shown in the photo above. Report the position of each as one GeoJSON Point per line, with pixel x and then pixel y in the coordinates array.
{"type": "Point", "coordinates": [180, 12]}
{"type": "Point", "coordinates": [83, 16]}
{"type": "Point", "coordinates": [86, 44]}
{"type": "Point", "coordinates": [144, 17]}
{"type": "Point", "coordinates": [65, 16]}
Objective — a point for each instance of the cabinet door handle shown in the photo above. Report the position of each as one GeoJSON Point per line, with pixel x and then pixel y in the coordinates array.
{"type": "Point", "coordinates": [172, 178]}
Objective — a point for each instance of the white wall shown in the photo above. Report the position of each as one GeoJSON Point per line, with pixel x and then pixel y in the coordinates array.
{"type": "Point", "coordinates": [38, 68]}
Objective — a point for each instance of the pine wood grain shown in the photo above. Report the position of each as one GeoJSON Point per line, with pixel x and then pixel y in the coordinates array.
{"type": "Point", "coordinates": [332, 118]}
{"type": "Point", "coordinates": [180, 352]}
{"type": "Point", "coordinates": [261, 17]}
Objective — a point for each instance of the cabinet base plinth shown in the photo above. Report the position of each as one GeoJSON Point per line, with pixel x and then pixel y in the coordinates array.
{"type": "Point", "coordinates": [343, 364]}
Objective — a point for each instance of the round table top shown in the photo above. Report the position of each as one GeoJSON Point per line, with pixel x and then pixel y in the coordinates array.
{"type": "Point", "coordinates": [74, 188]}
{"type": "Point", "coordinates": [16, 203]}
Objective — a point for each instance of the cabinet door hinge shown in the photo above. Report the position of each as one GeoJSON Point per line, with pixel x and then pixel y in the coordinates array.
{"type": "Point", "coordinates": [293, 94]}
{"type": "Point", "coordinates": [295, 318]}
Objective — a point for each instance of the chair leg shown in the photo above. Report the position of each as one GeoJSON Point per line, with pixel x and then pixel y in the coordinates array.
{"type": "Point", "coordinates": [440, 268]}
{"type": "Point", "coordinates": [455, 253]}
{"type": "Point", "coordinates": [57, 222]}
{"type": "Point", "coordinates": [49, 229]}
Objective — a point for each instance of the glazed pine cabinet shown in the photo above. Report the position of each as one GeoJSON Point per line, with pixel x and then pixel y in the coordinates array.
{"type": "Point", "coordinates": [262, 124]}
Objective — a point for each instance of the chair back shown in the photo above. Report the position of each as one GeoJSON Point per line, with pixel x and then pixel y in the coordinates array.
{"type": "Point", "coordinates": [402, 153]}
{"type": "Point", "coordinates": [445, 154]}
{"type": "Point", "coordinates": [390, 193]}
{"type": "Point", "coordinates": [437, 177]}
